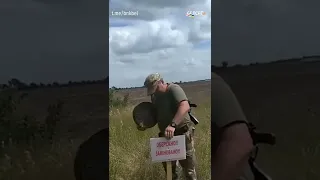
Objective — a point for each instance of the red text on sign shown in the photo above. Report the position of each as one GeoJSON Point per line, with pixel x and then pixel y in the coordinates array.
{"type": "Point", "coordinates": [167, 152]}
{"type": "Point", "coordinates": [167, 143]}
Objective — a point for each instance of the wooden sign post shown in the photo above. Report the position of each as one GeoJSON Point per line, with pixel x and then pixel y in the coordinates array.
{"type": "Point", "coordinates": [169, 170]}
{"type": "Point", "coordinates": [164, 150]}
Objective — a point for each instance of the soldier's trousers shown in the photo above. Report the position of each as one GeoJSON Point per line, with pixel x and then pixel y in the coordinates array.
{"type": "Point", "coordinates": [188, 164]}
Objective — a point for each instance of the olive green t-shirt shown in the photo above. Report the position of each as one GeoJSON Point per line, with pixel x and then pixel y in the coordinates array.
{"type": "Point", "coordinates": [167, 104]}
{"type": "Point", "coordinates": [225, 110]}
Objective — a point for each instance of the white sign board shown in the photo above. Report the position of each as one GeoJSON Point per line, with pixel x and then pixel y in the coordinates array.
{"type": "Point", "coordinates": [163, 150]}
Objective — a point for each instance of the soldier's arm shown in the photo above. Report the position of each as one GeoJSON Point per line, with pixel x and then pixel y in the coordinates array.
{"type": "Point", "coordinates": [235, 145]}
{"type": "Point", "coordinates": [181, 101]}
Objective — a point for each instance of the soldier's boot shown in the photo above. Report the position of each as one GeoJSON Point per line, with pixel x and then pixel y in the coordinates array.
{"type": "Point", "coordinates": [188, 164]}
{"type": "Point", "coordinates": [175, 174]}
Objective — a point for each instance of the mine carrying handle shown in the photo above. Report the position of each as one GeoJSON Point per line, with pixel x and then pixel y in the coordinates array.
{"type": "Point", "coordinates": [192, 117]}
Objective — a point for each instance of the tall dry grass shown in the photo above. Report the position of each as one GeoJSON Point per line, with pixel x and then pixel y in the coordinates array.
{"type": "Point", "coordinates": [29, 149]}
{"type": "Point", "coordinates": [129, 149]}
{"type": "Point", "coordinates": [49, 162]}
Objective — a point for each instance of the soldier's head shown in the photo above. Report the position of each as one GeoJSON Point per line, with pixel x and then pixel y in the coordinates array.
{"type": "Point", "coordinates": [154, 83]}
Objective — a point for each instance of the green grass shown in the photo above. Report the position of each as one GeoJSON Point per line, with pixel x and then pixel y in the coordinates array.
{"type": "Point", "coordinates": [22, 162]}
{"type": "Point", "coordinates": [129, 148]}
{"type": "Point", "coordinates": [25, 151]}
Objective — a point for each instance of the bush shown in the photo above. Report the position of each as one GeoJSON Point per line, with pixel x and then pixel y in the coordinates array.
{"type": "Point", "coordinates": [116, 101]}
{"type": "Point", "coordinates": [225, 64]}
{"type": "Point", "coordinates": [22, 129]}
{"type": "Point", "coordinates": [27, 146]}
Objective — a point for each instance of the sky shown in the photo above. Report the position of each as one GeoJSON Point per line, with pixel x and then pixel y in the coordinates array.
{"type": "Point", "coordinates": [161, 38]}
{"type": "Point", "coordinates": [53, 40]}
{"type": "Point", "coordinates": [260, 31]}
{"type": "Point", "coordinates": [62, 40]}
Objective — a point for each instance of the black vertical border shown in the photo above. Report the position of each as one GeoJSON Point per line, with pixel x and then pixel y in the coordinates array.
{"type": "Point", "coordinates": [92, 158]}
{"type": "Point", "coordinates": [212, 70]}
{"type": "Point", "coordinates": [107, 69]}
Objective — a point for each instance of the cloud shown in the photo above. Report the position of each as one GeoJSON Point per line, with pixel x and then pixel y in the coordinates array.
{"type": "Point", "coordinates": [260, 31]}
{"type": "Point", "coordinates": [46, 41]}
{"type": "Point", "coordinates": [146, 37]}
{"type": "Point", "coordinates": [160, 39]}
{"type": "Point", "coordinates": [166, 4]}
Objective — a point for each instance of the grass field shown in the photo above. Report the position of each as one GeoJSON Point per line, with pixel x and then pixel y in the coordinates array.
{"type": "Point", "coordinates": [284, 99]}
{"type": "Point", "coordinates": [129, 148]}
{"type": "Point", "coordinates": [279, 98]}
{"type": "Point", "coordinates": [84, 113]}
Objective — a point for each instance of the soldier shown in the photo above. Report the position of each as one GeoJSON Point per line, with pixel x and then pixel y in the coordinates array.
{"type": "Point", "coordinates": [232, 142]}
{"type": "Point", "coordinates": [172, 108]}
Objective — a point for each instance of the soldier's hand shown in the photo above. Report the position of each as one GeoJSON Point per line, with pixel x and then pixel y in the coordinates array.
{"type": "Point", "coordinates": [169, 132]}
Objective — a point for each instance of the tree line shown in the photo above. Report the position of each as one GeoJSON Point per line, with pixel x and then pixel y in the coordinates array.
{"type": "Point", "coordinates": [18, 84]}
{"type": "Point", "coordinates": [315, 58]}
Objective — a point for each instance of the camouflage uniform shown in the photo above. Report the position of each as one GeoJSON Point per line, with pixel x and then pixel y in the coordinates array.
{"type": "Point", "coordinates": [166, 105]}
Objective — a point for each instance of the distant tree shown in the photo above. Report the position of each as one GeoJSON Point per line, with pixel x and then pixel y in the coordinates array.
{"type": "Point", "coordinates": [5, 86]}
{"type": "Point", "coordinates": [33, 85]}
{"type": "Point", "coordinates": [225, 64]}
{"type": "Point", "coordinates": [15, 83]}
{"type": "Point", "coordinates": [55, 84]}
{"type": "Point", "coordinates": [41, 85]}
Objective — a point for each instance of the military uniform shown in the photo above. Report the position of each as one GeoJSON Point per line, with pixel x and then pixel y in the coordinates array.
{"type": "Point", "coordinates": [226, 110]}
{"type": "Point", "coordinates": [166, 105]}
